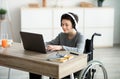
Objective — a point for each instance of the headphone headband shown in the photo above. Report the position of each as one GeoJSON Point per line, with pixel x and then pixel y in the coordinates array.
{"type": "Point", "coordinates": [72, 18]}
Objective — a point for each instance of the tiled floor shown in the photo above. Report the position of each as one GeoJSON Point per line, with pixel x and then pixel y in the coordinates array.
{"type": "Point", "coordinates": [110, 57]}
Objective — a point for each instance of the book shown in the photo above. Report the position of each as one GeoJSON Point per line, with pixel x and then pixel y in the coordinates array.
{"type": "Point", "coordinates": [60, 59]}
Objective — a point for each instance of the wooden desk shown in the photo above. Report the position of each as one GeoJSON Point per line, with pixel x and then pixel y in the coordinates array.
{"type": "Point", "coordinates": [16, 57]}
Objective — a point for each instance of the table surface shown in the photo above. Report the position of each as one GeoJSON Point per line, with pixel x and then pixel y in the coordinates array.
{"type": "Point", "coordinates": [18, 58]}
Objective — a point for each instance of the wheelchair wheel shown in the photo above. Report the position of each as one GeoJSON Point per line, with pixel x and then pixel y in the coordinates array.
{"type": "Point", "coordinates": [93, 71]}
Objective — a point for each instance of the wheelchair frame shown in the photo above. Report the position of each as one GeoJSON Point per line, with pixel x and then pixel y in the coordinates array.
{"type": "Point", "coordinates": [86, 72]}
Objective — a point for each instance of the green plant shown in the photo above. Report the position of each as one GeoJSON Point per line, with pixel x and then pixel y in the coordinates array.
{"type": "Point", "coordinates": [3, 11]}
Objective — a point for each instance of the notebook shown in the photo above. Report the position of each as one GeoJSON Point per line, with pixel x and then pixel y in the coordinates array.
{"type": "Point", "coordinates": [33, 42]}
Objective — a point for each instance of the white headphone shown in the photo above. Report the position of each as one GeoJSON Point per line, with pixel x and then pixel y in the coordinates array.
{"type": "Point", "coordinates": [72, 18]}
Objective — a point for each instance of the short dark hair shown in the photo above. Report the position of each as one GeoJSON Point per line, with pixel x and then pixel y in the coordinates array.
{"type": "Point", "coordinates": [72, 19]}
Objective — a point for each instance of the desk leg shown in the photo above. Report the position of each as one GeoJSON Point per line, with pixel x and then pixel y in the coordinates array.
{"type": "Point", "coordinates": [72, 76]}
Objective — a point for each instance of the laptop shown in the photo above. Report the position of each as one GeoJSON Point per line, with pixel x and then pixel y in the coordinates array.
{"type": "Point", "coordinates": [33, 42]}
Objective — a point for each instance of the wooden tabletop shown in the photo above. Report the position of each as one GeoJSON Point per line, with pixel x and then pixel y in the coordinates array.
{"type": "Point", "coordinates": [18, 58]}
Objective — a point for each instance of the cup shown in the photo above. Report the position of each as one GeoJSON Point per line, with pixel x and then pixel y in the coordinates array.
{"type": "Point", "coordinates": [4, 43]}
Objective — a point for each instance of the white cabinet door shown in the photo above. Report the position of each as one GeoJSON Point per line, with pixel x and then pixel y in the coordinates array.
{"type": "Point", "coordinates": [99, 17]}
{"type": "Point", "coordinates": [57, 13]}
{"type": "Point", "coordinates": [100, 20]}
{"type": "Point", "coordinates": [36, 18]}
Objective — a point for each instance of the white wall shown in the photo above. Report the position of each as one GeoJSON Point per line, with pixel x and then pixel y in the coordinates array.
{"type": "Point", "coordinates": [15, 5]}
{"type": "Point", "coordinates": [115, 4]}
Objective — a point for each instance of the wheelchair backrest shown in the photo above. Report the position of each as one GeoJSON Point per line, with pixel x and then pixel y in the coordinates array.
{"type": "Point", "coordinates": [88, 46]}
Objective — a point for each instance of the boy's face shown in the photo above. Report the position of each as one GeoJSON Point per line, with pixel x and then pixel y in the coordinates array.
{"type": "Point", "coordinates": [66, 26]}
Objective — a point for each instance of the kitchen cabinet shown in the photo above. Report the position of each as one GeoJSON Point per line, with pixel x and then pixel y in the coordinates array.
{"type": "Point", "coordinates": [46, 21]}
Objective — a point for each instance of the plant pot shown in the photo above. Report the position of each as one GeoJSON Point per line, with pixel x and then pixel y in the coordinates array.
{"type": "Point", "coordinates": [2, 16]}
{"type": "Point", "coordinates": [100, 2]}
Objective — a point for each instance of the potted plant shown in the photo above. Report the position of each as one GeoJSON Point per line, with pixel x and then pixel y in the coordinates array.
{"type": "Point", "coordinates": [2, 13]}
{"type": "Point", "coordinates": [100, 2]}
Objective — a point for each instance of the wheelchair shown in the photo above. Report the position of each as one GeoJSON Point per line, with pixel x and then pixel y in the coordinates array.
{"type": "Point", "coordinates": [93, 66]}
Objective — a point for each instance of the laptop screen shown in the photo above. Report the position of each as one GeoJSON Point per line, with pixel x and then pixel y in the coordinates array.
{"type": "Point", "coordinates": [33, 42]}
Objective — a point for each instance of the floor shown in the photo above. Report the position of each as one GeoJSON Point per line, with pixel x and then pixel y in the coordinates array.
{"type": "Point", "coordinates": [110, 57]}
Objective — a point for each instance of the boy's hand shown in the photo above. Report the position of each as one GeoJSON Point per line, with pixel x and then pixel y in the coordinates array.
{"type": "Point", "coordinates": [54, 47]}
